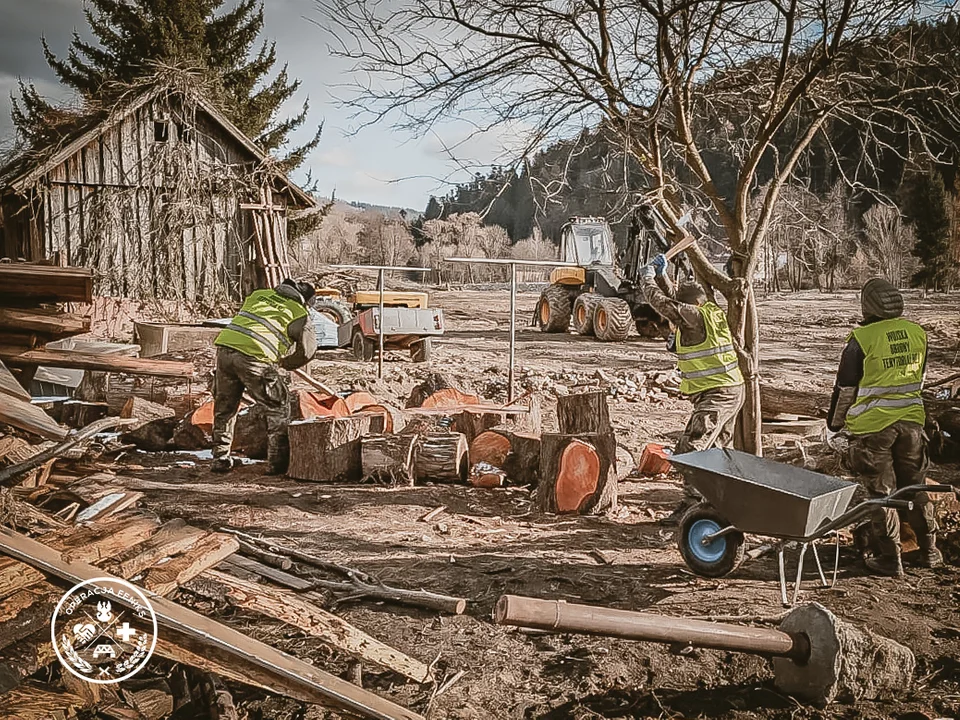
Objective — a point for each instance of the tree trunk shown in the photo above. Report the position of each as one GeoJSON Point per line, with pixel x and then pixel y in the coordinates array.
{"type": "Point", "coordinates": [743, 321]}
{"type": "Point", "coordinates": [388, 458]}
{"type": "Point", "coordinates": [583, 413]}
{"type": "Point", "coordinates": [328, 449]}
{"type": "Point", "coordinates": [577, 474]}
{"type": "Point", "coordinates": [442, 458]}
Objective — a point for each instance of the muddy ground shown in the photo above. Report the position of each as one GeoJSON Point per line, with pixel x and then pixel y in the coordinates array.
{"type": "Point", "coordinates": [487, 543]}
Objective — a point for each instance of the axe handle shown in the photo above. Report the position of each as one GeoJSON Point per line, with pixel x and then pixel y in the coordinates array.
{"type": "Point", "coordinates": [680, 247]}
{"type": "Point", "coordinates": [316, 384]}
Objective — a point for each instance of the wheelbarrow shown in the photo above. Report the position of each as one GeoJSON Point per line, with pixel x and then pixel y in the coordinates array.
{"type": "Point", "coordinates": [748, 494]}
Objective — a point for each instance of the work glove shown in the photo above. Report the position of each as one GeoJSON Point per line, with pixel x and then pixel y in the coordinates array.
{"type": "Point", "coordinates": [660, 264]}
{"type": "Point", "coordinates": [647, 273]}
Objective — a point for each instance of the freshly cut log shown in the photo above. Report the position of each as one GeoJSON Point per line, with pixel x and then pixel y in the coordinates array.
{"type": "Point", "coordinates": [202, 417]}
{"type": "Point", "coordinates": [775, 400]}
{"type": "Point", "coordinates": [19, 357]}
{"type": "Point", "coordinates": [583, 413]}
{"type": "Point", "coordinates": [449, 398]}
{"type": "Point", "coordinates": [46, 282]}
{"type": "Point", "coordinates": [145, 411]}
{"type": "Point", "coordinates": [385, 419]}
{"type": "Point", "coordinates": [359, 400]}
{"type": "Point", "coordinates": [490, 447]}
{"type": "Point", "coordinates": [328, 449]}
{"type": "Point", "coordinates": [577, 474]}
{"type": "Point", "coordinates": [388, 458]}
{"type": "Point", "coordinates": [53, 324]}
{"type": "Point", "coordinates": [306, 406]}
{"type": "Point", "coordinates": [433, 382]}
{"type": "Point", "coordinates": [442, 458]}
{"type": "Point", "coordinates": [523, 462]}
{"type": "Point", "coordinates": [472, 421]}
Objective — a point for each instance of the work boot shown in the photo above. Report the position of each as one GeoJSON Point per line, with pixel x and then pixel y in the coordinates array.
{"type": "Point", "coordinates": [223, 464]}
{"type": "Point", "coordinates": [928, 555]}
{"type": "Point", "coordinates": [886, 565]}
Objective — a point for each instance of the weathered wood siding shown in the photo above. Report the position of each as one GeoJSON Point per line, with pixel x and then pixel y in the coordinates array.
{"type": "Point", "coordinates": [154, 218]}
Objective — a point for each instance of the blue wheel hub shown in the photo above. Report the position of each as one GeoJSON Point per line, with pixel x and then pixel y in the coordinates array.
{"type": "Point", "coordinates": [713, 551]}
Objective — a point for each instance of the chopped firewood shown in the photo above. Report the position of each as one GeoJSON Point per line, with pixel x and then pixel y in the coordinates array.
{"type": "Point", "coordinates": [207, 553]}
{"type": "Point", "coordinates": [327, 448]}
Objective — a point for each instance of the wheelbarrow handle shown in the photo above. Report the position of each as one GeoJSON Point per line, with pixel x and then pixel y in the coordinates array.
{"type": "Point", "coordinates": [899, 504]}
{"type": "Point", "coordinates": [942, 489]}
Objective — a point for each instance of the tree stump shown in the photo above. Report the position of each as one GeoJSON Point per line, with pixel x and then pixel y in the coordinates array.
{"type": "Point", "coordinates": [490, 447]}
{"type": "Point", "coordinates": [327, 449]}
{"type": "Point", "coordinates": [577, 474]}
{"type": "Point", "coordinates": [388, 458]}
{"type": "Point", "coordinates": [442, 458]}
{"type": "Point", "coordinates": [584, 413]}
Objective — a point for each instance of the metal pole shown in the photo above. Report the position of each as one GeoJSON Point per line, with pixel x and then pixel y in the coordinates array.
{"type": "Point", "coordinates": [513, 330]}
{"type": "Point", "coordinates": [380, 334]}
{"type": "Point", "coordinates": [564, 617]}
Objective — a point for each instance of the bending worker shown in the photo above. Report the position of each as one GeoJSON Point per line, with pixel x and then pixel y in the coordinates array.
{"type": "Point", "coordinates": [709, 373]}
{"type": "Point", "coordinates": [271, 333]}
{"type": "Point", "coordinates": [877, 400]}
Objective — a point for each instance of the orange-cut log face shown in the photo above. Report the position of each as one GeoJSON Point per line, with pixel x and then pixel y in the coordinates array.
{"type": "Point", "coordinates": [490, 447]}
{"type": "Point", "coordinates": [578, 477]}
{"type": "Point", "coordinates": [359, 400]}
{"type": "Point", "coordinates": [450, 398]}
{"type": "Point", "coordinates": [203, 416]}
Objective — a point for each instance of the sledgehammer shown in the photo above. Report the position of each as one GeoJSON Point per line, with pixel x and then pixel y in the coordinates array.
{"type": "Point", "coordinates": [816, 656]}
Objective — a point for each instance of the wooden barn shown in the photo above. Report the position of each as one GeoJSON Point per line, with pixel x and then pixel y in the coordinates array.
{"type": "Point", "coordinates": [163, 197]}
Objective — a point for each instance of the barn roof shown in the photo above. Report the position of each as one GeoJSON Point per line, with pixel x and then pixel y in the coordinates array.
{"type": "Point", "coordinates": [30, 174]}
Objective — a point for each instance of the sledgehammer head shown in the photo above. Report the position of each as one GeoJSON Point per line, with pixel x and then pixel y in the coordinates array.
{"type": "Point", "coordinates": [845, 663]}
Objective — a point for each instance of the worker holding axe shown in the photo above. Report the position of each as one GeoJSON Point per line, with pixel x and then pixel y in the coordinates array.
{"type": "Point", "coordinates": [707, 358]}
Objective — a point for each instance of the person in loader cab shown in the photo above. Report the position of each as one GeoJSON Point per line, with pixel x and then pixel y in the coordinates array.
{"type": "Point", "coordinates": [706, 356]}
{"type": "Point", "coordinates": [877, 401]}
{"type": "Point", "coordinates": [272, 333]}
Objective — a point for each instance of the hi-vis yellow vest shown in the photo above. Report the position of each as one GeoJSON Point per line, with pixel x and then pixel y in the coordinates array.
{"type": "Point", "coordinates": [260, 328]}
{"type": "Point", "coordinates": [713, 363]}
{"type": "Point", "coordinates": [894, 352]}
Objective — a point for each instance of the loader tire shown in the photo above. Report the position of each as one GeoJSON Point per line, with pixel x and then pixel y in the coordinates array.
{"type": "Point", "coordinates": [421, 350]}
{"type": "Point", "coordinates": [554, 309]}
{"type": "Point", "coordinates": [583, 309]}
{"type": "Point", "coordinates": [336, 310]}
{"type": "Point", "coordinates": [612, 320]}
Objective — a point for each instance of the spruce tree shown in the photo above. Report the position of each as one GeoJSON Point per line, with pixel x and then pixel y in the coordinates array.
{"type": "Point", "coordinates": [927, 201]}
{"type": "Point", "coordinates": [133, 36]}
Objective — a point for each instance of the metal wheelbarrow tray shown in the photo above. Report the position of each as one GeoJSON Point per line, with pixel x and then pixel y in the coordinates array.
{"type": "Point", "coordinates": [748, 494]}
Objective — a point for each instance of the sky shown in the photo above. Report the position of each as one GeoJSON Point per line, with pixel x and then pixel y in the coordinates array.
{"type": "Point", "coordinates": [375, 164]}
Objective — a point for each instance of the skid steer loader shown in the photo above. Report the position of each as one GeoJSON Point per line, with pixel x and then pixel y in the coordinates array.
{"type": "Point", "coordinates": [603, 295]}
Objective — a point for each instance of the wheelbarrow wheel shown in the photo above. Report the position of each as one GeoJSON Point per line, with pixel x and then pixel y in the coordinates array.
{"type": "Point", "coordinates": [719, 557]}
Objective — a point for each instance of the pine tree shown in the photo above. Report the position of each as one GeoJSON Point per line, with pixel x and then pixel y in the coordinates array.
{"type": "Point", "coordinates": [927, 208]}
{"type": "Point", "coordinates": [132, 36]}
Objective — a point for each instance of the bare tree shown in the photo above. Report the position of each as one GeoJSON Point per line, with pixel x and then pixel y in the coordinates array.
{"type": "Point", "coordinates": [887, 244]}
{"type": "Point", "coordinates": [658, 74]}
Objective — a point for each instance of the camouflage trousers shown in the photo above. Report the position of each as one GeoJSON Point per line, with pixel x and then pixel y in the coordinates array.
{"type": "Point", "coordinates": [886, 461]}
{"type": "Point", "coordinates": [267, 385]}
{"type": "Point", "coordinates": [711, 424]}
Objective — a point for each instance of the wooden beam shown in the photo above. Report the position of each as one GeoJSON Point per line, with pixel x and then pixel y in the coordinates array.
{"type": "Point", "coordinates": [10, 386]}
{"type": "Point", "coordinates": [88, 361]}
{"type": "Point", "coordinates": [173, 538]}
{"type": "Point", "coordinates": [286, 673]}
{"type": "Point", "coordinates": [53, 323]}
{"type": "Point", "coordinates": [208, 552]}
{"type": "Point", "coordinates": [47, 282]}
{"type": "Point", "coordinates": [29, 418]}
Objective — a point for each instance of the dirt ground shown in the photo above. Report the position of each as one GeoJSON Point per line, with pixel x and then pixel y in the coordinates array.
{"type": "Point", "coordinates": [487, 543]}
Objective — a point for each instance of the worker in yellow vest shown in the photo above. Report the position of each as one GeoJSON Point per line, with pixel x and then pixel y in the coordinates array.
{"type": "Point", "coordinates": [707, 359]}
{"type": "Point", "coordinates": [272, 333]}
{"type": "Point", "coordinates": [877, 401]}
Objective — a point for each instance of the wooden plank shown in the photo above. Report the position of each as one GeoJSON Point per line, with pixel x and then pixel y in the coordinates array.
{"type": "Point", "coordinates": [208, 552]}
{"type": "Point", "coordinates": [49, 282]}
{"type": "Point", "coordinates": [88, 361]}
{"type": "Point", "coordinates": [109, 505]}
{"type": "Point", "coordinates": [10, 386]}
{"type": "Point", "coordinates": [173, 537]}
{"type": "Point", "coordinates": [29, 418]}
{"type": "Point", "coordinates": [286, 673]}
{"type": "Point", "coordinates": [53, 323]}
{"type": "Point", "coordinates": [288, 607]}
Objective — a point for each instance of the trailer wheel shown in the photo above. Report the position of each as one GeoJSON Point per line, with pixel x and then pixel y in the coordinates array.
{"type": "Point", "coordinates": [554, 309]}
{"type": "Point", "coordinates": [362, 346]}
{"type": "Point", "coordinates": [421, 350]}
{"type": "Point", "coordinates": [612, 320]}
{"type": "Point", "coordinates": [336, 310]}
{"type": "Point", "coordinates": [718, 558]}
{"type": "Point", "coordinates": [583, 309]}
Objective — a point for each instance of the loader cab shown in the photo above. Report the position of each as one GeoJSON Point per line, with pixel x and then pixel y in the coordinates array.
{"type": "Point", "coordinates": [587, 241]}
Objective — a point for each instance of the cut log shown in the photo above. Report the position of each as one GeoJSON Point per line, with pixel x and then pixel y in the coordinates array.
{"type": "Point", "coordinates": [359, 400]}
{"type": "Point", "coordinates": [385, 418]}
{"type": "Point", "coordinates": [208, 552]}
{"type": "Point", "coordinates": [327, 449]}
{"type": "Point", "coordinates": [307, 406]}
{"type": "Point", "coordinates": [806, 403]}
{"type": "Point", "coordinates": [490, 447]}
{"type": "Point", "coordinates": [145, 411]}
{"type": "Point", "coordinates": [577, 474]}
{"type": "Point", "coordinates": [442, 458]}
{"type": "Point", "coordinates": [202, 417]}
{"type": "Point", "coordinates": [433, 383]}
{"type": "Point", "coordinates": [154, 436]}
{"type": "Point", "coordinates": [449, 398]}
{"type": "Point", "coordinates": [388, 458]}
{"type": "Point", "coordinates": [472, 421]}
{"type": "Point", "coordinates": [523, 462]}
{"type": "Point", "coordinates": [46, 283]}
{"type": "Point", "coordinates": [288, 607]}
{"type": "Point", "coordinates": [583, 413]}
{"type": "Point", "coordinates": [53, 324]}
{"type": "Point", "coordinates": [483, 475]}
{"type": "Point", "coordinates": [19, 357]}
